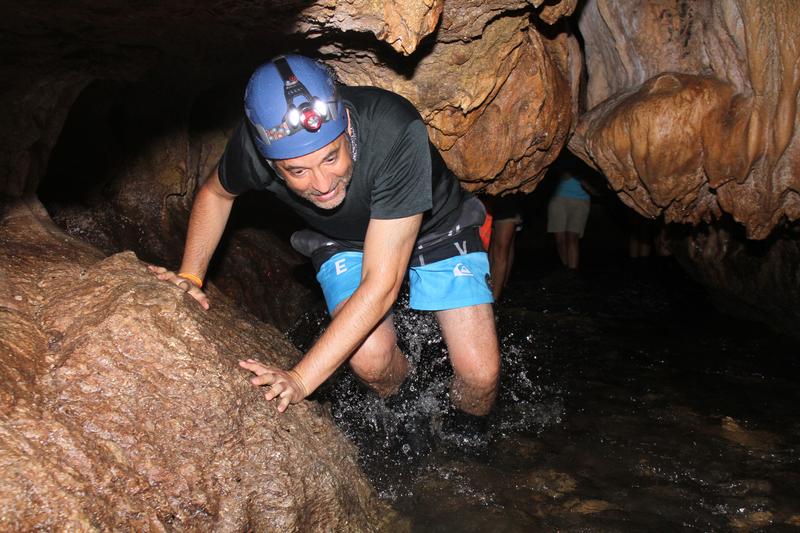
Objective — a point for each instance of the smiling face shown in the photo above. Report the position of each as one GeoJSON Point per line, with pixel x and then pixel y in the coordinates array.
{"type": "Point", "coordinates": [320, 177]}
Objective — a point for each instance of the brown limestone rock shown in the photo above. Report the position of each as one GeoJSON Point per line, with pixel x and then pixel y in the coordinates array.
{"type": "Point", "coordinates": [499, 108]}
{"type": "Point", "coordinates": [144, 206]}
{"type": "Point", "coordinates": [755, 280]}
{"type": "Point", "coordinates": [122, 406]}
{"type": "Point", "coordinates": [697, 102]}
{"type": "Point", "coordinates": [652, 145]}
{"type": "Point", "coordinates": [400, 23]}
{"type": "Point", "coordinates": [553, 12]}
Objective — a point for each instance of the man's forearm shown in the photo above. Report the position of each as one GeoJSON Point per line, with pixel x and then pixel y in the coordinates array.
{"type": "Point", "coordinates": [351, 325]}
{"type": "Point", "coordinates": [387, 249]}
{"type": "Point", "coordinates": [210, 213]}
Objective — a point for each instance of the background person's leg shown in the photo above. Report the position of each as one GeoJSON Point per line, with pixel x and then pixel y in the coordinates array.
{"type": "Point", "coordinates": [475, 355]}
{"type": "Point", "coordinates": [561, 247]}
{"type": "Point", "coordinates": [501, 253]}
{"type": "Point", "coordinates": [573, 249]}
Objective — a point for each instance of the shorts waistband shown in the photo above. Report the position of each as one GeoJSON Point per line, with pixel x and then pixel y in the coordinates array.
{"type": "Point", "coordinates": [460, 239]}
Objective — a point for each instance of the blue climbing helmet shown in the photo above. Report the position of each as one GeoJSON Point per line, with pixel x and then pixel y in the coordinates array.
{"type": "Point", "coordinates": [294, 107]}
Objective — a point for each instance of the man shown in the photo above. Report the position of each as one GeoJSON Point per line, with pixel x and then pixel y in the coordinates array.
{"type": "Point", "coordinates": [357, 165]}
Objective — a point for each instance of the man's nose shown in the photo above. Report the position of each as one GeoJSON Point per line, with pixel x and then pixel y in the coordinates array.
{"type": "Point", "coordinates": [323, 181]}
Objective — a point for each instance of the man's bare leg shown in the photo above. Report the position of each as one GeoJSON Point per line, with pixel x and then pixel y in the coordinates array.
{"type": "Point", "coordinates": [378, 362]}
{"type": "Point", "coordinates": [475, 355]}
{"type": "Point", "coordinates": [501, 254]}
{"type": "Point", "coordinates": [561, 247]}
{"type": "Point", "coordinates": [573, 249]}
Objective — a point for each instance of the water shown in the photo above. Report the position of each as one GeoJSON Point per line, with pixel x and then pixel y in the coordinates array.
{"type": "Point", "coordinates": [627, 404]}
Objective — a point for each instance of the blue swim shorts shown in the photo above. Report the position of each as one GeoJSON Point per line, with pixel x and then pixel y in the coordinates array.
{"type": "Point", "coordinates": [457, 281]}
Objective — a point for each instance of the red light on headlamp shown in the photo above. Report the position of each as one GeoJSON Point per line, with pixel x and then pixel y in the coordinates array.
{"type": "Point", "coordinates": [310, 120]}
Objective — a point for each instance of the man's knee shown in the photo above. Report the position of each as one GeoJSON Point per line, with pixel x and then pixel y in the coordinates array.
{"type": "Point", "coordinates": [373, 359]}
{"type": "Point", "coordinates": [484, 376]}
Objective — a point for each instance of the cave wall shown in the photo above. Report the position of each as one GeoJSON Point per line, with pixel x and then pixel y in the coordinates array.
{"type": "Point", "coordinates": [461, 79]}
{"type": "Point", "coordinates": [692, 116]}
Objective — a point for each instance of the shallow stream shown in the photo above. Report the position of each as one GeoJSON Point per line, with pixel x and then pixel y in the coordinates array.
{"type": "Point", "coordinates": [627, 404]}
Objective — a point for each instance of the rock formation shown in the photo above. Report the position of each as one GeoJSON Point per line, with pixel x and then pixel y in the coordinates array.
{"type": "Point", "coordinates": [122, 406]}
{"type": "Point", "coordinates": [693, 108]}
{"type": "Point", "coordinates": [692, 115]}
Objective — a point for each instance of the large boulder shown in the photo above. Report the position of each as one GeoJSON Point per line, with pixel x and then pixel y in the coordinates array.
{"type": "Point", "coordinates": [122, 406]}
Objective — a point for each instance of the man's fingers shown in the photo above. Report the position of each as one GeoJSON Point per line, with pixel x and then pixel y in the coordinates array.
{"type": "Point", "coordinates": [267, 378]}
{"type": "Point", "coordinates": [280, 386]}
{"type": "Point", "coordinates": [156, 269]}
{"type": "Point", "coordinates": [284, 403]}
{"type": "Point", "coordinates": [198, 295]}
{"type": "Point", "coordinates": [277, 389]}
{"type": "Point", "coordinates": [274, 391]}
{"type": "Point", "coordinates": [255, 367]}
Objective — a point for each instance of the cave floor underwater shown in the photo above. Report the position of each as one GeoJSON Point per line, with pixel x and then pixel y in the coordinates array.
{"type": "Point", "coordinates": [627, 403]}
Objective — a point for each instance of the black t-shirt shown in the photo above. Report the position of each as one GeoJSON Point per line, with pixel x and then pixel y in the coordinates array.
{"type": "Point", "coordinates": [397, 173]}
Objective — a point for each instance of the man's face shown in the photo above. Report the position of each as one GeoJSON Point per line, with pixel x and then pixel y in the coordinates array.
{"type": "Point", "coordinates": [320, 177]}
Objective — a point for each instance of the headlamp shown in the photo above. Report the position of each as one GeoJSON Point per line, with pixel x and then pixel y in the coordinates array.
{"type": "Point", "coordinates": [309, 115]}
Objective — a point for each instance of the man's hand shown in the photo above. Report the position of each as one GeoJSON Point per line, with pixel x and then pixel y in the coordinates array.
{"type": "Point", "coordinates": [170, 276]}
{"type": "Point", "coordinates": [285, 385]}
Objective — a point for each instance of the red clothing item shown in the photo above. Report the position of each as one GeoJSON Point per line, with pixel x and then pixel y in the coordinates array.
{"type": "Point", "coordinates": [486, 231]}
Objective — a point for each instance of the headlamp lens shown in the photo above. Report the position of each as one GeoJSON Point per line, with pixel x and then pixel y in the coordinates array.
{"type": "Point", "coordinates": [320, 107]}
{"type": "Point", "coordinates": [311, 120]}
{"type": "Point", "coordinates": [293, 117]}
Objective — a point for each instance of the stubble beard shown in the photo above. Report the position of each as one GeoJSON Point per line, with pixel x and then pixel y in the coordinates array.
{"type": "Point", "coordinates": [336, 201]}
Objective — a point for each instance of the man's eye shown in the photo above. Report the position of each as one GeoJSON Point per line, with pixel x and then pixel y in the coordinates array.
{"type": "Point", "coordinates": [331, 159]}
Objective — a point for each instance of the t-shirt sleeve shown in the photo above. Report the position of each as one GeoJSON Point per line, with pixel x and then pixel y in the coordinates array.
{"type": "Point", "coordinates": [403, 186]}
{"type": "Point", "coordinates": [241, 167]}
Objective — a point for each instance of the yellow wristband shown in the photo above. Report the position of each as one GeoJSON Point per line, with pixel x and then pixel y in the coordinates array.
{"type": "Point", "coordinates": [191, 277]}
{"type": "Point", "coordinates": [299, 381]}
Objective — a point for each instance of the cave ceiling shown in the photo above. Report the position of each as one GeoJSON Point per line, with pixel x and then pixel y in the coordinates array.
{"type": "Point", "coordinates": [466, 65]}
{"type": "Point", "coordinates": [689, 109]}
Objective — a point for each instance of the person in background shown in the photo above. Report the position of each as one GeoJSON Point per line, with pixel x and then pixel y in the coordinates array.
{"type": "Point", "coordinates": [506, 221]}
{"type": "Point", "coordinates": [567, 213]}
{"type": "Point", "coordinates": [640, 240]}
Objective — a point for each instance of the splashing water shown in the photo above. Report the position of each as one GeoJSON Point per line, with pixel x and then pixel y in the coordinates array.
{"type": "Point", "coordinates": [396, 436]}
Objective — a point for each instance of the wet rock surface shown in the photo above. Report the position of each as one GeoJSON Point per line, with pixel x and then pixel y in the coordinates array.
{"type": "Point", "coordinates": [753, 280]}
{"type": "Point", "coordinates": [122, 406]}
